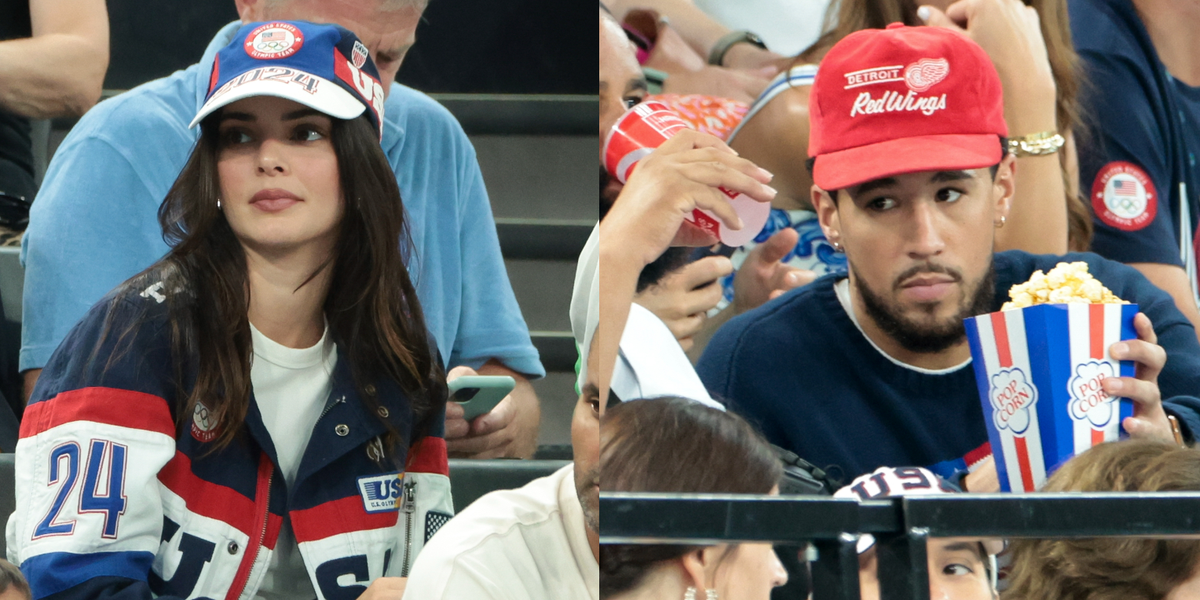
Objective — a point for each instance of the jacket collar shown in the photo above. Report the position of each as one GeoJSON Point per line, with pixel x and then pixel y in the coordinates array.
{"type": "Point", "coordinates": [346, 423]}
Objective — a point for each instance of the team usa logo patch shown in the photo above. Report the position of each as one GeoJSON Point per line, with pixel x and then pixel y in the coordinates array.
{"type": "Point", "coordinates": [358, 55]}
{"type": "Point", "coordinates": [1123, 196]}
{"type": "Point", "coordinates": [274, 41]}
{"type": "Point", "coordinates": [382, 493]}
{"type": "Point", "coordinates": [204, 426]}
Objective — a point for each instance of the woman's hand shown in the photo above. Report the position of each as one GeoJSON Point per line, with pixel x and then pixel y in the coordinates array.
{"type": "Point", "coordinates": [763, 277]}
{"type": "Point", "coordinates": [1011, 35]}
{"type": "Point", "coordinates": [1149, 421]}
{"type": "Point", "coordinates": [385, 588]}
{"type": "Point", "coordinates": [681, 175]}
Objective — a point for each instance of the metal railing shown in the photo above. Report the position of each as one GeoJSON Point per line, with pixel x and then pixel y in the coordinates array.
{"type": "Point", "coordinates": [901, 526]}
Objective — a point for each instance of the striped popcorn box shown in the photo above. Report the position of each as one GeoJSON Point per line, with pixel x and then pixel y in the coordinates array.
{"type": "Point", "coordinates": [1039, 371]}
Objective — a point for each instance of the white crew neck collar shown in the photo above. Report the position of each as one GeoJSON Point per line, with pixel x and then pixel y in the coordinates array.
{"type": "Point", "coordinates": [290, 358]}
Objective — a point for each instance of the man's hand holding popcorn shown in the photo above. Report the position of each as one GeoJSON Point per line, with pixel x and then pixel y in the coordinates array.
{"type": "Point", "coordinates": [1072, 283]}
{"type": "Point", "coordinates": [1149, 420]}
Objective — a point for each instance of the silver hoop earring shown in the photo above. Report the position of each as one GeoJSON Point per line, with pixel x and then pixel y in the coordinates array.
{"type": "Point", "coordinates": [218, 204]}
{"type": "Point", "coordinates": [837, 246]}
{"type": "Point", "coordinates": [710, 594]}
{"type": "Point", "coordinates": [690, 594]}
{"type": "Point", "coordinates": [1001, 223]}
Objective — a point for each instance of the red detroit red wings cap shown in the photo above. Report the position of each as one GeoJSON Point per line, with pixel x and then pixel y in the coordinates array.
{"type": "Point", "coordinates": [903, 100]}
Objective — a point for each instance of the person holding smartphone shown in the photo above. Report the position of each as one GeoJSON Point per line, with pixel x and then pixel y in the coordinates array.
{"type": "Point", "coordinates": [259, 413]}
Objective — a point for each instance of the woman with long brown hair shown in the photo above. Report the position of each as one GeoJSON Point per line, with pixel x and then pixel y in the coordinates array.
{"type": "Point", "coordinates": [714, 452]}
{"type": "Point", "coordinates": [258, 414]}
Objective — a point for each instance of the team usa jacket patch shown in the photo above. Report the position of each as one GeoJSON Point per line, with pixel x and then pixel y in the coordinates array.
{"type": "Point", "coordinates": [1123, 196]}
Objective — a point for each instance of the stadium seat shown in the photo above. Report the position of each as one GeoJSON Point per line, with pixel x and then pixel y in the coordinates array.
{"type": "Point", "coordinates": [472, 478]}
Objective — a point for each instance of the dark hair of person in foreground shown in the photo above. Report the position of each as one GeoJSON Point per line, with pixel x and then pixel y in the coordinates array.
{"type": "Point", "coordinates": [674, 445]}
{"type": "Point", "coordinates": [1111, 568]}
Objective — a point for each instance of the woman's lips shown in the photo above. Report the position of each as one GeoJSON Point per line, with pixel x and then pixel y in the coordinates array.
{"type": "Point", "coordinates": [274, 200]}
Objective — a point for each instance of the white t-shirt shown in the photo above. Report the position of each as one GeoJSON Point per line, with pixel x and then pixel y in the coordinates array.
{"type": "Point", "coordinates": [291, 387]}
{"type": "Point", "coordinates": [523, 544]}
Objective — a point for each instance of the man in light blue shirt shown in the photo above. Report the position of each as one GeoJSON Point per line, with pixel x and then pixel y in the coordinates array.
{"type": "Point", "coordinates": [94, 223]}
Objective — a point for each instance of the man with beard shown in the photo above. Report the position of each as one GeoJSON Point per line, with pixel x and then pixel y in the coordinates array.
{"type": "Point", "coordinates": [912, 178]}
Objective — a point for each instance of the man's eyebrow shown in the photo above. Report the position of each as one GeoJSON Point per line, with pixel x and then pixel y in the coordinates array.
{"type": "Point", "coordinates": [604, 86]}
{"type": "Point", "coordinates": [944, 176]}
{"type": "Point", "coordinates": [637, 84]}
{"type": "Point", "coordinates": [873, 185]}
{"type": "Point", "coordinates": [590, 390]}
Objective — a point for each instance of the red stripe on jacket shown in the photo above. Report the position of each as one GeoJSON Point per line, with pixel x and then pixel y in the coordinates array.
{"type": "Point", "coordinates": [429, 456]}
{"type": "Point", "coordinates": [111, 406]}
{"type": "Point", "coordinates": [337, 517]}
{"type": "Point", "coordinates": [206, 498]}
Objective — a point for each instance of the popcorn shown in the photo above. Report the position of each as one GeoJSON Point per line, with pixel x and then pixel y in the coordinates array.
{"type": "Point", "coordinates": [1066, 283]}
{"type": "Point", "coordinates": [1040, 365]}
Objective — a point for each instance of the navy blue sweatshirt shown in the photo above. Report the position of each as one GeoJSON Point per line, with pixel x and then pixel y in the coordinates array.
{"type": "Point", "coordinates": [799, 369]}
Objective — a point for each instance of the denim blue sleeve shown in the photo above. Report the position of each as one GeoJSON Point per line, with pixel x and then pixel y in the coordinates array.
{"type": "Point", "coordinates": [491, 324]}
{"type": "Point", "coordinates": [93, 225]}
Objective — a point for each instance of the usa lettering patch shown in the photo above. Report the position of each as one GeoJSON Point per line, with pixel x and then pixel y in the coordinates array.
{"type": "Point", "coordinates": [1123, 196]}
{"type": "Point", "coordinates": [382, 493]}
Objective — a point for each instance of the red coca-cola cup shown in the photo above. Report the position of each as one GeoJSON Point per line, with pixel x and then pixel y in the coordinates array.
{"type": "Point", "coordinates": [644, 128]}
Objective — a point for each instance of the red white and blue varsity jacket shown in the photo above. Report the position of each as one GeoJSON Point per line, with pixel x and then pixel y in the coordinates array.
{"type": "Point", "coordinates": [114, 501]}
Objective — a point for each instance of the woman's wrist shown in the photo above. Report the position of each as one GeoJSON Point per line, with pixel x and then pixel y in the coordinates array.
{"type": "Point", "coordinates": [1028, 115]}
{"type": "Point", "coordinates": [747, 56]}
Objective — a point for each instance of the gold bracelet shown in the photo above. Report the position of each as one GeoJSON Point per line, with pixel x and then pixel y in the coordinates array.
{"type": "Point", "coordinates": [1036, 144]}
{"type": "Point", "coordinates": [1176, 431]}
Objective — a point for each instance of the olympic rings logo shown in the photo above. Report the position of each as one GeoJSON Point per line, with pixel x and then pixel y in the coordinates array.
{"type": "Point", "coordinates": [1127, 204]}
{"type": "Point", "coordinates": [274, 46]}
